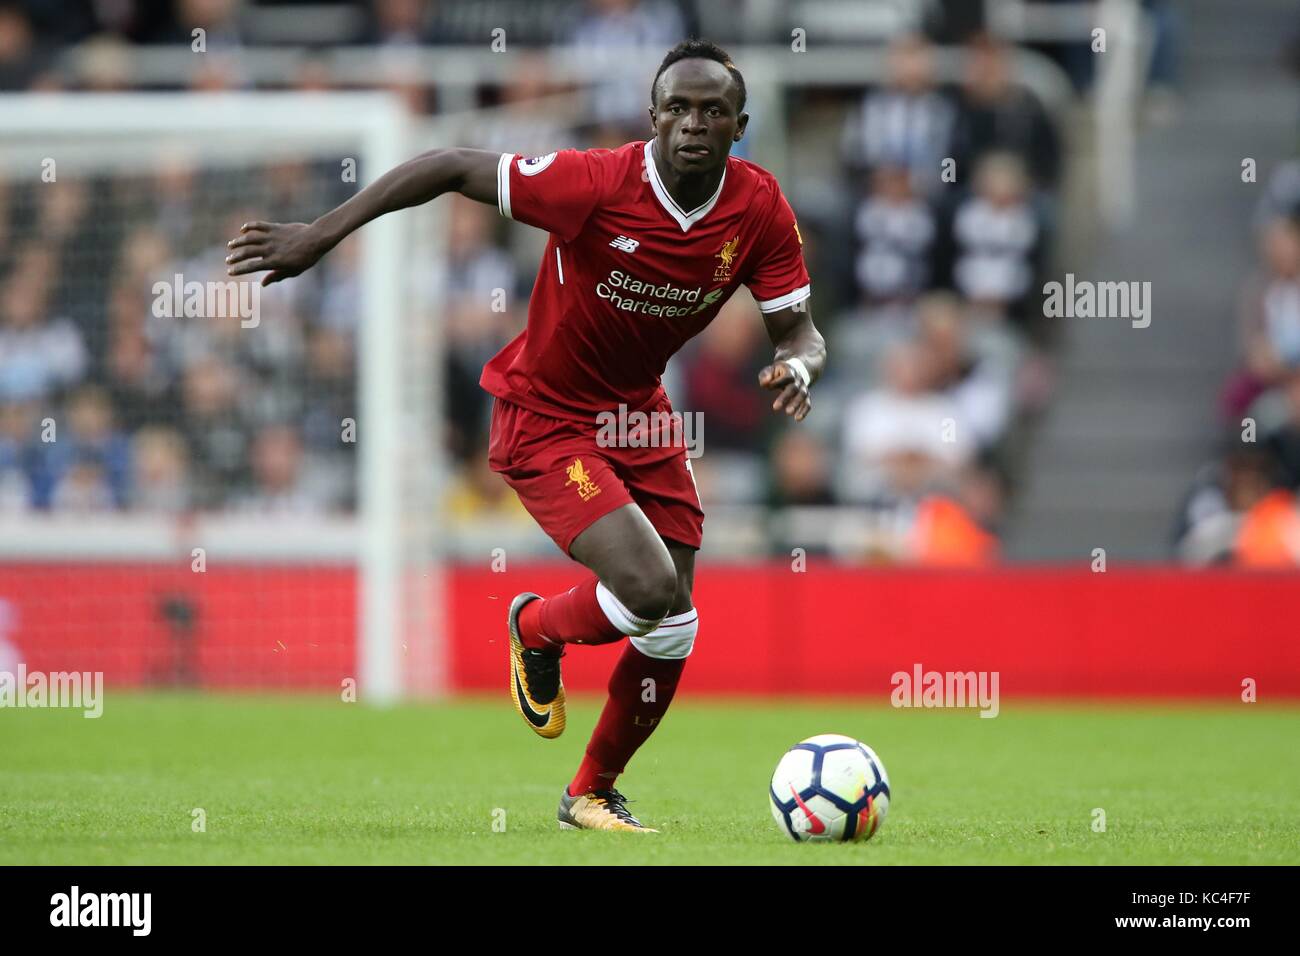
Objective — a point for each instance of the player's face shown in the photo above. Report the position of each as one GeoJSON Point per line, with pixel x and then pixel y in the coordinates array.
{"type": "Point", "coordinates": [695, 117]}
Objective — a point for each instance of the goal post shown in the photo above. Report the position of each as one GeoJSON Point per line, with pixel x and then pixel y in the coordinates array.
{"type": "Point", "coordinates": [388, 527]}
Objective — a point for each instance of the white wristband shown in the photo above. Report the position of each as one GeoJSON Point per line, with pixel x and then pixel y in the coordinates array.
{"type": "Point", "coordinates": [799, 369]}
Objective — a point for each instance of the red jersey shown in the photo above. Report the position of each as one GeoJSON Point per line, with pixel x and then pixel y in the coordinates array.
{"type": "Point", "coordinates": [628, 276]}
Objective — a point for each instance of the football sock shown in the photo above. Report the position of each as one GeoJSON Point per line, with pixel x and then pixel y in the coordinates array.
{"type": "Point", "coordinates": [587, 613]}
{"type": "Point", "coordinates": [640, 690]}
{"type": "Point", "coordinates": [591, 776]}
{"type": "Point", "coordinates": [530, 629]}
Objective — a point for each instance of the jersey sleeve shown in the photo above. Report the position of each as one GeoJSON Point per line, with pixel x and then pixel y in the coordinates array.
{"type": "Point", "coordinates": [779, 278]}
{"type": "Point", "coordinates": [555, 192]}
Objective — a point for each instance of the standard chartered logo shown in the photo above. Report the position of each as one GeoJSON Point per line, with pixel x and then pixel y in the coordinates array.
{"type": "Point", "coordinates": [709, 299]}
{"type": "Point", "coordinates": [631, 294]}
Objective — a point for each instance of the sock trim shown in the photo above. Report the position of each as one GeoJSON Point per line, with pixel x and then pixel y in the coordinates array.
{"type": "Point", "coordinates": [619, 616]}
{"type": "Point", "coordinates": [679, 620]}
{"type": "Point", "coordinates": [673, 639]}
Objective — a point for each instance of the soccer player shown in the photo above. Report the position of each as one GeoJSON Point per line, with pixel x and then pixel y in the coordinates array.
{"type": "Point", "coordinates": [647, 242]}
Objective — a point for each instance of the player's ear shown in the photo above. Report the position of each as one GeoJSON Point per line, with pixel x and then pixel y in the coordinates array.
{"type": "Point", "coordinates": [653, 128]}
{"type": "Point", "coordinates": [741, 122]}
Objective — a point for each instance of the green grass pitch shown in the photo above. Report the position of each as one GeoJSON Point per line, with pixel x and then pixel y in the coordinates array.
{"type": "Point", "coordinates": [311, 780]}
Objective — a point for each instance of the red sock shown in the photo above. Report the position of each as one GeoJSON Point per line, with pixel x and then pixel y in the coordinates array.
{"type": "Point", "coordinates": [628, 719]}
{"type": "Point", "coordinates": [570, 617]}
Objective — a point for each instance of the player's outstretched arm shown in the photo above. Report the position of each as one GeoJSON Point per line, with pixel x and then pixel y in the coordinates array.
{"type": "Point", "coordinates": [285, 249]}
{"type": "Point", "coordinates": [795, 338]}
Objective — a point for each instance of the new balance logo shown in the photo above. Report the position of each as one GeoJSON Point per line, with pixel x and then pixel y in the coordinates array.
{"type": "Point", "coordinates": [624, 244]}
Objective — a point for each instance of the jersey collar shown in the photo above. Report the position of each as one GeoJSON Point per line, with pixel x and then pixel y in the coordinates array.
{"type": "Point", "coordinates": [684, 219]}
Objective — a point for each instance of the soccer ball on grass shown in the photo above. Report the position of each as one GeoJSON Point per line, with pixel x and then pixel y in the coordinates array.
{"type": "Point", "coordinates": [829, 787]}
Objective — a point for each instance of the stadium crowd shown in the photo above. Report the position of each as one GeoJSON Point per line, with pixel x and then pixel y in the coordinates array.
{"type": "Point", "coordinates": [1242, 508]}
{"type": "Point", "coordinates": [926, 288]}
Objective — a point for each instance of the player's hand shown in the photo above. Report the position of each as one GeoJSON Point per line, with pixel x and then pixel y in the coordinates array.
{"type": "Point", "coordinates": [793, 398]}
{"type": "Point", "coordinates": [280, 249]}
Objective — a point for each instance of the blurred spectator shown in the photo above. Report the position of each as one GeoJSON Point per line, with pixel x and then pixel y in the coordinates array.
{"type": "Point", "coordinates": [39, 353]}
{"type": "Point", "coordinates": [18, 60]}
{"type": "Point", "coordinates": [214, 429]}
{"type": "Point", "coordinates": [87, 468]}
{"type": "Point", "coordinates": [801, 470]}
{"type": "Point", "coordinates": [283, 485]}
{"type": "Point", "coordinates": [1281, 199]}
{"type": "Point", "coordinates": [218, 72]}
{"type": "Point", "coordinates": [996, 115]}
{"type": "Point", "coordinates": [83, 487]}
{"type": "Point", "coordinates": [1269, 319]}
{"type": "Point", "coordinates": [932, 529]}
{"type": "Point", "coordinates": [721, 379]}
{"type": "Point", "coordinates": [906, 122]}
{"type": "Point", "coordinates": [943, 534]}
{"type": "Point", "coordinates": [476, 269]}
{"type": "Point", "coordinates": [329, 389]}
{"type": "Point", "coordinates": [896, 233]}
{"type": "Point", "coordinates": [978, 385]}
{"type": "Point", "coordinates": [63, 210]}
{"type": "Point", "coordinates": [800, 493]}
{"type": "Point", "coordinates": [1283, 443]}
{"type": "Point", "coordinates": [605, 35]}
{"type": "Point", "coordinates": [477, 493]}
{"type": "Point", "coordinates": [480, 281]}
{"type": "Point", "coordinates": [1164, 74]}
{"type": "Point", "coordinates": [137, 377]}
{"type": "Point", "coordinates": [69, 21]}
{"type": "Point", "coordinates": [397, 22]}
{"type": "Point", "coordinates": [520, 126]}
{"type": "Point", "coordinates": [1270, 533]}
{"type": "Point", "coordinates": [998, 238]}
{"type": "Point", "coordinates": [313, 76]}
{"type": "Point", "coordinates": [902, 438]}
{"type": "Point", "coordinates": [160, 480]}
{"type": "Point", "coordinates": [106, 64]}
{"type": "Point", "coordinates": [340, 291]}
{"type": "Point", "coordinates": [18, 455]}
{"type": "Point", "coordinates": [1211, 515]}
{"type": "Point", "coordinates": [398, 72]}
{"type": "Point", "coordinates": [176, 221]}
{"type": "Point", "coordinates": [218, 19]}
{"type": "Point", "coordinates": [982, 495]}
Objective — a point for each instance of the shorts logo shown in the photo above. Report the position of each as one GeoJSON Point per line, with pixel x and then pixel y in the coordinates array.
{"type": "Point", "coordinates": [587, 487]}
{"type": "Point", "coordinates": [535, 164]}
{"type": "Point", "coordinates": [726, 256]}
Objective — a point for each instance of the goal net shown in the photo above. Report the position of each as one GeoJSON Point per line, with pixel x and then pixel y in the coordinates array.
{"type": "Point", "coordinates": [204, 483]}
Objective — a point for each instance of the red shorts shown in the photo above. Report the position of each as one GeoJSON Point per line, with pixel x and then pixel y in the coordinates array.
{"type": "Point", "coordinates": [567, 480]}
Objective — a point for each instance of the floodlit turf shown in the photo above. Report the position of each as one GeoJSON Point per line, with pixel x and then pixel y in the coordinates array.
{"type": "Point", "coordinates": [309, 780]}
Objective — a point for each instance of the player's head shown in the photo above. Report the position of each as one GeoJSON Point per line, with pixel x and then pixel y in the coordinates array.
{"type": "Point", "coordinates": [697, 106]}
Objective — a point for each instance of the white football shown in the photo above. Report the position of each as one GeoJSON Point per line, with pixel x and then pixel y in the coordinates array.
{"type": "Point", "coordinates": [829, 787]}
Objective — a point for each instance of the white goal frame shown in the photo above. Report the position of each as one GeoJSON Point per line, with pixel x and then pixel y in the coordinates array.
{"type": "Point", "coordinates": [88, 131]}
